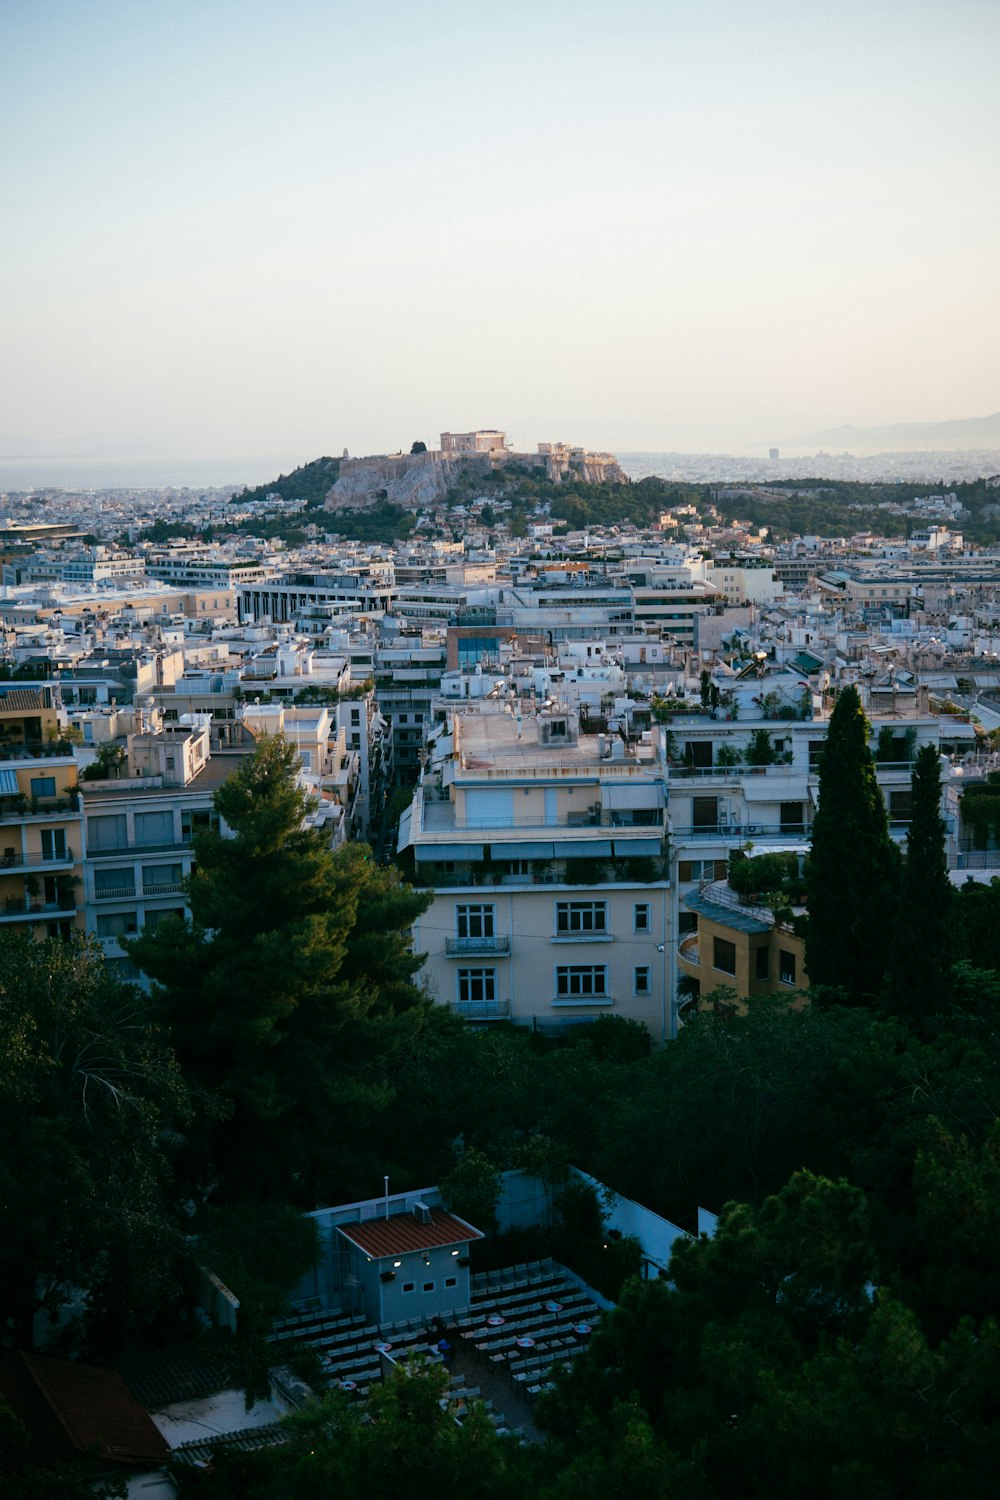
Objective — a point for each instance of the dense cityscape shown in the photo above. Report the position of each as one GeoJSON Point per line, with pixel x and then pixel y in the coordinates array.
{"type": "Point", "coordinates": [499, 926]}
{"type": "Point", "coordinates": [419, 772]}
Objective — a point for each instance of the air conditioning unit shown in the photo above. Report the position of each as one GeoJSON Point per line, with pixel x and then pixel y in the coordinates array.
{"type": "Point", "coordinates": [387, 1276]}
{"type": "Point", "coordinates": [422, 1213]}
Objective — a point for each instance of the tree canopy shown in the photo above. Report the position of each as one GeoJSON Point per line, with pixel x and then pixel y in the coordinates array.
{"type": "Point", "coordinates": [853, 865]}
{"type": "Point", "coordinates": [288, 990]}
{"type": "Point", "coordinates": [89, 1097]}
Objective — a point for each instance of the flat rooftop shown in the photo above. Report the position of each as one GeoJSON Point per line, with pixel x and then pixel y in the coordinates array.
{"type": "Point", "coordinates": [506, 742]}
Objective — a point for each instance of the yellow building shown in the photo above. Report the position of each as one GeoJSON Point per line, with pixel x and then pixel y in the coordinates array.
{"type": "Point", "coordinates": [41, 845]}
{"type": "Point", "coordinates": [741, 948]}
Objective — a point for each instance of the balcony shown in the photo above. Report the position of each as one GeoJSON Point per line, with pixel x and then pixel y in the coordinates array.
{"type": "Point", "coordinates": [22, 809]}
{"type": "Point", "coordinates": [13, 862]}
{"type": "Point", "coordinates": [687, 949]}
{"type": "Point", "coordinates": [23, 909]}
{"type": "Point", "coordinates": [165, 888]}
{"type": "Point", "coordinates": [115, 893]}
{"type": "Point", "coordinates": [482, 1010]}
{"type": "Point", "coordinates": [462, 947]}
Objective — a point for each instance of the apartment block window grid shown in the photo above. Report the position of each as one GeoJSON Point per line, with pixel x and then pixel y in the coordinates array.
{"type": "Point", "coordinates": [642, 981]}
{"type": "Point", "coordinates": [576, 918]}
{"type": "Point", "coordinates": [641, 917]}
{"type": "Point", "coordinates": [476, 986]}
{"type": "Point", "coordinates": [581, 981]}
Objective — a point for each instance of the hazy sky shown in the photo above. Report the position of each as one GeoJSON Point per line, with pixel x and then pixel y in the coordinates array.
{"type": "Point", "coordinates": [244, 228]}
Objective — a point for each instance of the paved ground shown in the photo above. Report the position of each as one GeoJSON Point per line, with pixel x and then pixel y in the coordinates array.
{"type": "Point", "coordinates": [496, 1387]}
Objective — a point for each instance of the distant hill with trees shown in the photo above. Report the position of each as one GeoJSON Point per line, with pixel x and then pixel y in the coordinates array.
{"type": "Point", "coordinates": [310, 482]}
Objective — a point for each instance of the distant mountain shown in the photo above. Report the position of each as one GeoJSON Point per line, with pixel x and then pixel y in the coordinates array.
{"type": "Point", "coordinates": [965, 432]}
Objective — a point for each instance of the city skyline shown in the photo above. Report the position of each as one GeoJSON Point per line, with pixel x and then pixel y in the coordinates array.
{"type": "Point", "coordinates": [239, 232]}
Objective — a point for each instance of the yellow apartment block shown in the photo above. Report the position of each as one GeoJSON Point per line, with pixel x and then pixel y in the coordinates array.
{"type": "Point", "coordinates": [740, 947]}
{"type": "Point", "coordinates": [41, 846]}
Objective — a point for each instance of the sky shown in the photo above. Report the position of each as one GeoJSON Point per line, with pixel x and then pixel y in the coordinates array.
{"type": "Point", "coordinates": [237, 229]}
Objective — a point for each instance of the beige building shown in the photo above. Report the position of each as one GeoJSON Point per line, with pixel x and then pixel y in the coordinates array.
{"type": "Point", "coordinates": [544, 849]}
{"type": "Point", "coordinates": [41, 833]}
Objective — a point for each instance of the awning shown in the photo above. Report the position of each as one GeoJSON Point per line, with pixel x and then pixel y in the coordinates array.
{"type": "Point", "coordinates": [538, 850]}
{"type": "Point", "coordinates": [583, 849]}
{"type": "Point", "coordinates": [425, 853]}
{"type": "Point", "coordinates": [403, 838]}
{"type": "Point", "coordinates": [8, 784]}
{"type": "Point", "coordinates": [650, 795]}
{"type": "Point", "coordinates": [763, 789]}
{"type": "Point", "coordinates": [630, 848]}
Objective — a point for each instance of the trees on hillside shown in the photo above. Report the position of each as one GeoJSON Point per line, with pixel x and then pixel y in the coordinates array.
{"type": "Point", "coordinates": [853, 865]}
{"type": "Point", "coordinates": [88, 1094]}
{"type": "Point", "coordinates": [288, 988]}
{"type": "Point", "coordinates": [920, 953]}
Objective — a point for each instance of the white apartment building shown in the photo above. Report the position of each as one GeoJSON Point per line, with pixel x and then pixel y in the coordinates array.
{"type": "Point", "coordinates": [544, 849]}
{"type": "Point", "coordinates": [720, 802]}
{"type": "Point", "coordinates": [140, 830]}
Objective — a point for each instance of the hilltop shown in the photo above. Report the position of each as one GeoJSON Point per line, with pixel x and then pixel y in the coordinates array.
{"type": "Point", "coordinates": [310, 482]}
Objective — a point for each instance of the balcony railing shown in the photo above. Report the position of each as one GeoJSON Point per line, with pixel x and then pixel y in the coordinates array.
{"type": "Point", "coordinates": [14, 862]}
{"type": "Point", "coordinates": [458, 947]}
{"type": "Point", "coordinates": [482, 1010]}
{"type": "Point", "coordinates": [165, 888]}
{"type": "Point", "coordinates": [21, 909]}
{"type": "Point", "coordinates": [115, 893]}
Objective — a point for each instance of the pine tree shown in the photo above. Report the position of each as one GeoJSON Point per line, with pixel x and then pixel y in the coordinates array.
{"type": "Point", "coordinates": [281, 1008]}
{"type": "Point", "coordinates": [853, 865]}
{"type": "Point", "coordinates": [920, 957]}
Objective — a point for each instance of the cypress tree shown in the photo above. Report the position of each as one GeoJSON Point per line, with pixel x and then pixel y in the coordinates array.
{"type": "Point", "coordinates": [853, 866]}
{"type": "Point", "coordinates": [920, 956]}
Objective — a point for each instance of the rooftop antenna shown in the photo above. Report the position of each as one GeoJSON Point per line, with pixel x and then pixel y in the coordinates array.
{"type": "Point", "coordinates": [386, 1182]}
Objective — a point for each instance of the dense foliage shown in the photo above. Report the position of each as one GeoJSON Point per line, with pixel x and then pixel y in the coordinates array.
{"type": "Point", "coordinates": [310, 482]}
{"type": "Point", "coordinates": [838, 1337]}
{"type": "Point", "coordinates": [852, 864]}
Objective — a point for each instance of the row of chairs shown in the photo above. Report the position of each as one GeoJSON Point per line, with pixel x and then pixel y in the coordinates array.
{"type": "Point", "coordinates": [532, 1270]}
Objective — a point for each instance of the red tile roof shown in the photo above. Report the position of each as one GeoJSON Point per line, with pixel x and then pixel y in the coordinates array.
{"type": "Point", "coordinates": [94, 1409]}
{"type": "Point", "coordinates": [402, 1232]}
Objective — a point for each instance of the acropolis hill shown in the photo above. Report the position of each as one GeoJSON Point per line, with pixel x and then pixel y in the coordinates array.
{"type": "Point", "coordinates": [417, 479]}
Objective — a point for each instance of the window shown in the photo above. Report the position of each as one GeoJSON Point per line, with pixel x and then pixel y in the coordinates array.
{"type": "Point", "coordinates": [408, 1286]}
{"type": "Point", "coordinates": [762, 963]}
{"type": "Point", "coordinates": [476, 985]}
{"type": "Point", "coordinates": [106, 833]}
{"type": "Point", "coordinates": [153, 918]}
{"type": "Point", "coordinates": [786, 966]}
{"type": "Point", "coordinates": [705, 812]}
{"type": "Point", "coordinates": [687, 921]}
{"type": "Point", "coordinates": [114, 882]}
{"type": "Point", "coordinates": [161, 878]}
{"type": "Point", "coordinates": [577, 918]}
{"type": "Point", "coordinates": [791, 817]}
{"type": "Point", "coordinates": [429, 1286]}
{"type": "Point", "coordinates": [724, 956]}
{"type": "Point", "coordinates": [474, 921]}
{"type": "Point", "coordinates": [900, 806]}
{"type": "Point", "coordinates": [197, 821]}
{"type": "Point", "coordinates": [451, 1281]}
{"type": "Point", "coordinates": [642, 985]}
{"type": "Point", "coordinates": [116, 924]}
{"type": "Point", "coordinates": [154, 828]}
{"type": "Point", "coordinates": [701, 869]}
{"type": "Point", "coordinates": [640, 917]}
{"type": "Point", "coordinates": [53, 843]}
{"type": "Point", "coordinates": [581, 982]}
{"type": "Point", "coordinates": [42, 786]}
